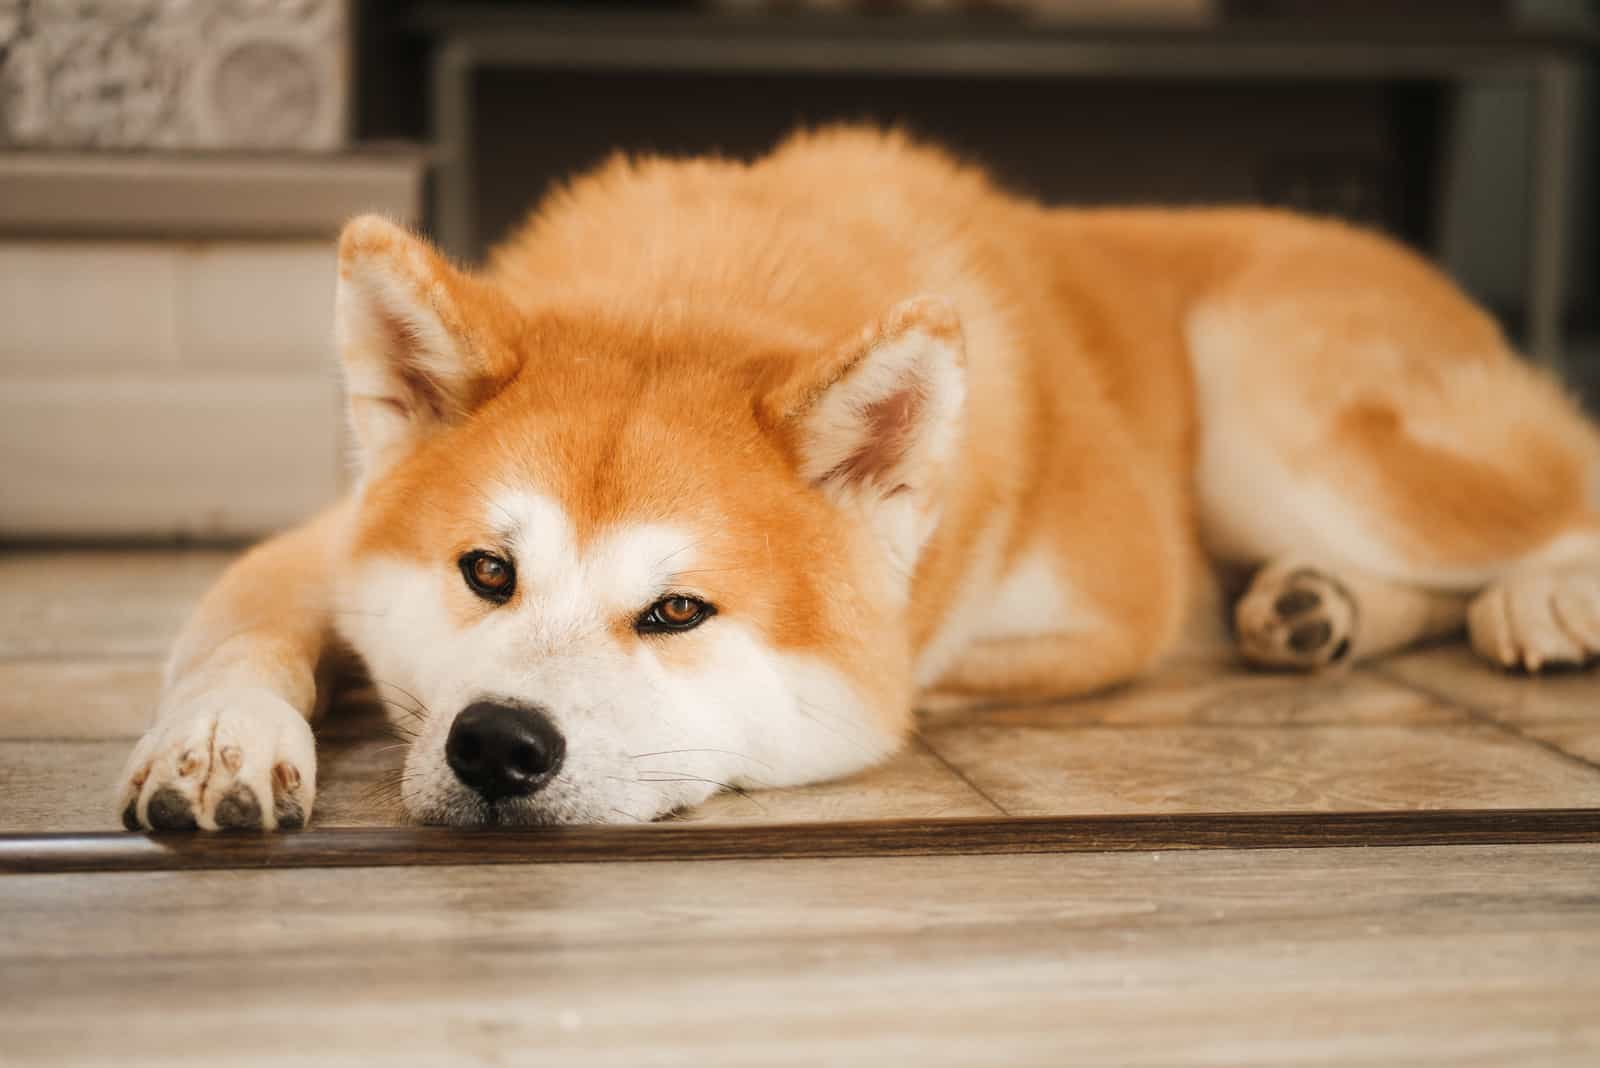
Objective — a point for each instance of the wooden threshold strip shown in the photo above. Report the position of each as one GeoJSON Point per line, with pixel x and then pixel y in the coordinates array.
{"type": "Point", "coordinates": [379, 847]}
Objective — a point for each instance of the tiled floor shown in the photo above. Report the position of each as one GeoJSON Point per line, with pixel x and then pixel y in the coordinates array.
{"type": "Point", "coordinates": [82, 634]}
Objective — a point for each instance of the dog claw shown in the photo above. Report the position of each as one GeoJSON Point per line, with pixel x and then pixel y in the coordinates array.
{"type": "Point", "coordinates": [1538, 620]}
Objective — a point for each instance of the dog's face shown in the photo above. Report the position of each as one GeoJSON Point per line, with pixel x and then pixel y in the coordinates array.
{"type": "Point", "coordinates": [607, 568]}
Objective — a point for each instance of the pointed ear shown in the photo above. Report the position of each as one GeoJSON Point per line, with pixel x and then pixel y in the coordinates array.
{"type": "Point", "coordinates": [420, 340]}
{"type": "Point", "coordinates": [876, 428]}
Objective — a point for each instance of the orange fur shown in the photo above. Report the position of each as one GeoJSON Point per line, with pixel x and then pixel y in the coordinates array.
{"type": "Point", "coordinates": [643, 348]}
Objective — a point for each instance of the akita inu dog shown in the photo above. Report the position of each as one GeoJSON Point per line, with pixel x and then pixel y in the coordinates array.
{"type": "Point", "coordinates": [730, 461]}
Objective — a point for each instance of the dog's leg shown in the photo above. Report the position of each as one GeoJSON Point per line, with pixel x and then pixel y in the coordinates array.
{"type": "Point", "coordinates": [1392, 428]}
{"type": "Point", "coordinates": [1302, 616]}
{"type": "Point", "coordinates": [231, 745]}
{"type": "Point", "coordinates": [1046, 665]}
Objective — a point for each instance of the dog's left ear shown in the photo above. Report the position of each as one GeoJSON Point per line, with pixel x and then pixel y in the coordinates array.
{"type": "Point", "coordinates": [876, 427]}
{"type": "Point", "coordinates": [421, 340]}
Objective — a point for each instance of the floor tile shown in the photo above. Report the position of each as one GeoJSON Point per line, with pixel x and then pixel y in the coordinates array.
{"type": "Point", "coordinates": [100, 697]}
{"type": "Point", "coordinates": [1215, 698]}
{"type": "Point", "coordinates": [67, 785]}
{"type": "Point", "coordinates": [83, 635]}
{"type": "Point", "coordinates": [1581, 740]}
{"type": "Point", "coordinates": [59, 785]}
{"type": "Point", "coordinates": [360, 762]}
{"type": "Point", "coordinates": [915, 784]}
{"type": "Point", "coordinates": [358, 782]}
{"type": "Point", "coordinates": [100, 603]}
{"type": "Point", "coordinates": [1453, 672]}
{"type": "Point", "coordinates": [1044, 769]}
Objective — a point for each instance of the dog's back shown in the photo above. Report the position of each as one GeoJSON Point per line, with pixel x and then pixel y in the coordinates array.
{"type": "Point", "coordinates": [1139, 382]}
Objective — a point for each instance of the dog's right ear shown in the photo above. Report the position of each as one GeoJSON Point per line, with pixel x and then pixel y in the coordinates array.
{"type": "Point", "coordinates": [420, 340]}
{"type": "Point", "coordinates": [874, 424]}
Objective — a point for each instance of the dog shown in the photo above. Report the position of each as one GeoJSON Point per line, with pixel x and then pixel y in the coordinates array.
{"type": "Point", "coordinates": [716, 466]}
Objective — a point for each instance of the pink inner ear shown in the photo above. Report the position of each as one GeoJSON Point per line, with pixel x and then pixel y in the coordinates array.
{"type": "Point", "coordinates": [888, 424]}
{"type": "Point", "coordinates": [401, 343]}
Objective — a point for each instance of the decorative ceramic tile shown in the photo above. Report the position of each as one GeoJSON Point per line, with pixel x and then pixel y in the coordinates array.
{"type": "Point", "coordinates": [128, 74]}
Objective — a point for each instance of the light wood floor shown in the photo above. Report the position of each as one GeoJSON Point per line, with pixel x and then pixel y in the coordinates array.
{"type": "Point", "coordinates": [1394, 956]}
{"type": "Point", "coordinates": [1383, 957]}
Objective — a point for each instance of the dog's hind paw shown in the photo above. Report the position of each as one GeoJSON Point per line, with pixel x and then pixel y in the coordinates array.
{"type": "Point", "coordinates": [226, 760]}
{"type": "Point", "coordinates": [1296, 618]}
{"type": "Point", "coordinates": [1538, 619]}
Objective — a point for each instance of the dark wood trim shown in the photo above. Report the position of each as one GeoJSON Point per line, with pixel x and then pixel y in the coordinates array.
{"type": "Point", "coordinates": [660, 30]}
{"type": "Point", "coordinates": [379, 847]}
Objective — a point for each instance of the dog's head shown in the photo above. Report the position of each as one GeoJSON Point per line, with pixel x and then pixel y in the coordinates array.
{"type": "Point", "coordinates": [611, 562]}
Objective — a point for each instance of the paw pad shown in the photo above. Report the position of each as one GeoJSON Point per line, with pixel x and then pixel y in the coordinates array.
{"type": "Point", "coordinates": [1301, 618]}
{"type": "Point", "coordinates": [1309, 637]}
{"type": "Point", "coordinates": [239, 809]}
{"type": "Point", "coordinates": [1296, 603]}
{"type": "Point", "coordinates": [170, 811]}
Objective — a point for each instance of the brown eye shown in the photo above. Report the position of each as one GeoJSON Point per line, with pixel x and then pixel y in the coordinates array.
{"type": "Point", "coordinates": [672, 614]}
{"type": "Point", "coordinates": [489, 576]}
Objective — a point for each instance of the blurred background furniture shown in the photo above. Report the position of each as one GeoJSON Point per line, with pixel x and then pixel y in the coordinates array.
{"type": "Point", "coordinates": [1344, 109]}
{"type": "Point", "coordinates": [166, 366]}
{"type": "Point", "coordinates": [174, 174]}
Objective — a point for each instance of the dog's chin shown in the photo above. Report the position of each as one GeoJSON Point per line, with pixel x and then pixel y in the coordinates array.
{"type": "Point", "coordinates": [468, 810]}
{"type": "Point", "coordinates": [445, 801]}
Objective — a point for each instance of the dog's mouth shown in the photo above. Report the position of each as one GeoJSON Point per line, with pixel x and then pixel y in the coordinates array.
{"type": "Point", "coordinates": [458, 807]}
{"type": "Point", "coordinates": [469, 811]}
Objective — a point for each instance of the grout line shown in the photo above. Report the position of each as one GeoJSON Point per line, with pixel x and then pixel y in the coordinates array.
{"type": "Point", "coordinates": [1486, 717]}
{"type": "Point", "coordinates": [922, 740]}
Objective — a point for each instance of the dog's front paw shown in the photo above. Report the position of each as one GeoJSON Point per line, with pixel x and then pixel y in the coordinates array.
{"type": "Point", "coordinates": [237, 758]}
{"type": "Point", "coordinates": [1296, 617]}
{"type": "Point", "coordinates": [1538, 619]}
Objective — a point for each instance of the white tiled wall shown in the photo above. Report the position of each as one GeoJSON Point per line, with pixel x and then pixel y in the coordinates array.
{"type": "Point", "coordinates": [86, 308]}
{"type": "Point", "coordinates": [154, 389]}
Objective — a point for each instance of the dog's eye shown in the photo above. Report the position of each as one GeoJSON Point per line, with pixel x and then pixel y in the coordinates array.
{"type": "Point", "coordinates": [672, 614]}
{"type": "Point", "coordinates": [489, 576]}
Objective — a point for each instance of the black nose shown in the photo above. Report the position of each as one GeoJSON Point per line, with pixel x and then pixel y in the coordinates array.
{"type": "Point", "coordinates": [504, 750]}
